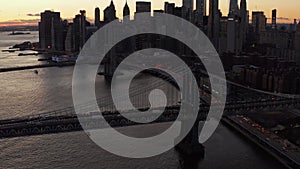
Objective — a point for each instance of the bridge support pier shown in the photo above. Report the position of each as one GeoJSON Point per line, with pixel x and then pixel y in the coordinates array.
{"type": "Point", "coordinates": [190, 145]}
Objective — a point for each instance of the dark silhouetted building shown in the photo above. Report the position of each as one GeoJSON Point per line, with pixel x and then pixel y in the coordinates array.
{"type": "Point", "coordinates": [126, 10]}
{"type": "Point", "coordinates": [97, 17]}
{"type": "Point", "coordinates": [143, 7]}
{"type": "Point", "coordinates": [244, 21]}
{"type": "Point", "coordinates": [200, 12]}
{"type": "Point", "coordinates": [51, 31]}
{"type": "Point", "coordinates": [259, 21]}
{"type": "Point", "coordinates": [69, 42]}
{"type": "Point", "coordinates": [169, 8]}
{"type": "Point", "coordinates": [178, 11]}
{"type": "Point", "coordinates": [234, 43]}
{"type": "Point", "coordinates": [274, 17]}
{"type": "Point", "coordinates": [110, 13]}
{"type": "Point", "coordinates": [233, 7]}
{"type": "Point", "coordinates": [187, 9]}
{"type": "Point", "coordinates": [76, 32]}
{"type": "Point", "coordinates": [82, 28]}
{"type": "Point", "coordinates": [214, 23]}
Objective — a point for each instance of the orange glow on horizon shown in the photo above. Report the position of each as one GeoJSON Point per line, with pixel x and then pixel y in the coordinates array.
{"type": "Point", "coordinates": [18, 24]}
{"type": "Point", "coordinates": [18, 13]}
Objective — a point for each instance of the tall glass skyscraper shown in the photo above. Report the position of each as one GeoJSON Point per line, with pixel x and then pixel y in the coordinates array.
{"type": "Point", "coordinates": [97, 16]}
{"type": "Point", "coordinates": [200, 11]}
{"type": "Point", "coordinates": [188, 4]}
{"type": "Point", "coordinates": [214, 22]}
{"type": "Point", "coordinates": [187, 9]}
{"type": "Point", "coordinates": [233, 8]}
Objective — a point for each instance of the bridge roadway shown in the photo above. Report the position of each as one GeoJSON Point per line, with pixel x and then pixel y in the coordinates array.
{"type": "Point", "coordinates": [67, 121]}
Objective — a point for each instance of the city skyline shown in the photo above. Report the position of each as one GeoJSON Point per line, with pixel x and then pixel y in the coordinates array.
{"type": "Point", "coordinates": [28, 14]}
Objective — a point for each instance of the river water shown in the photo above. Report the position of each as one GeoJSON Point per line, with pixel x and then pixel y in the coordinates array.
{"type": "Point", "coordinates": [24, 92]}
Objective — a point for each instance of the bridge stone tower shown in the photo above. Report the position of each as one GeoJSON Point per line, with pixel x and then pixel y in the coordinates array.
{"type": "Point", "coordinates": [190, 145]}
{"type": "Point", "coordinates": [109, 66]}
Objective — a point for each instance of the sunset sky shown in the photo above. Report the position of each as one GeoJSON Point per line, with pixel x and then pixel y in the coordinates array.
{"type": "Point", "coordinates": [26, 12]}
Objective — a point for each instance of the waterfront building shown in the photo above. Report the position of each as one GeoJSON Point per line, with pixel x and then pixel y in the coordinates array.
{"type": "Point", "coordinates": [76, 32]}
{"type": "Point", "coordinates": [51, 31]}
{"type": "Point", "coordinates": [69, 42]}
{"type": "Point", "coordinates": [82, 28]}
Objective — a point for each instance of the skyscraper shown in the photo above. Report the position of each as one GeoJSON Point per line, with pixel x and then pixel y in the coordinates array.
{"type": "Point", "coordinates": [143, 7]}
{"type": "Point", "coordinates": [244, 20]}
{"type": "Point", "coordinates": [233, 8]}
{"type": "Point", "coordinates": [274, 17]}
{"type": "Point", "coordinates": [234, 30]}
{"type": "Point", "coordinates": [110, 13]}
{"type": "Point", "coordinates": [295, 25]}
{"type": "Point", "coordinates": [69, 42]}
{"type": "Point", "coordinates": [188, 4]}
{"type": "Point", "coordinates": [234, 42]}
{"type": "Point", "coordinates": [97, 16]}
{"type": "Point", "coordinates": [142, 41]}
{"type": "Point", "coordinates": [297, 43]}
{"type": "Point", "coordinates": [204, 7]}
{"type": "Point", "coordinates": [82, 28]}
{"type": "Point", "coordinates": [51, 31]}
{"type": "Point", "coordinates": [76, 32]}
{"type": "Point", "coordinates": [169, 8]}
{"type": "Point", "coordinates": [214, 22]}
{"type": "Point", "coordinates": [259, 21]}
{"type": "Point", "coordinates": [188, 8]}
{"type": "Point", "coordinates": [199, 13]}
{"type": "Point", "coordinates": [126, 10]}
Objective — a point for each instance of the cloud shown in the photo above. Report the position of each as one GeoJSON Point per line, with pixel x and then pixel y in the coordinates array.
{"type": "Point", "coordinates": [283, 18]}
{"type": "Point", "coordinates": [20, 22]}
{"type": "Point", "coordinates": [30, 14]}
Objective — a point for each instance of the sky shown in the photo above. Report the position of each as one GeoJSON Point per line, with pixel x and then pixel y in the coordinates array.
{"type": "Point", "coordinates": [26, 12]}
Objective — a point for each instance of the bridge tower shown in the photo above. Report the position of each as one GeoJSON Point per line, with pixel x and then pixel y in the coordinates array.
{"type": "Point", "coordinates": [110, 65]}
{"type": "Point", "coordinates": [190, 145]}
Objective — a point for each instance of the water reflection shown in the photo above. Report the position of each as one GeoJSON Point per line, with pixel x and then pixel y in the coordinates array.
{"type": "Point", "coordinates": [189, 161]}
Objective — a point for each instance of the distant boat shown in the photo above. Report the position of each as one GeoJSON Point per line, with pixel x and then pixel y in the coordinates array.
{"type": "Point", "coordinates": [36, 72]}
{"type": "Point", "coordinates": [9, 50]}
{"type": "Point", "coordinates": [64, 58]}
{"type": "Point", "coordinates": [27, 54]}
{"type": "Point", "coordinates": [19, 33]}
{"type": "Point", "coordinates": [44, 59]}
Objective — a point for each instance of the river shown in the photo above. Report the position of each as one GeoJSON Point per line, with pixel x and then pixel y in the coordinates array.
{"type": "Point", "coordinates": [24, 92]}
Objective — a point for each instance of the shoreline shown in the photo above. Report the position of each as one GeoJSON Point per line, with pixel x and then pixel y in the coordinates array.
{"type": "Point", "coordinates": [260, 142]}
{"type": "Point", "coordinates": [19, 68]}
{"type": "Point", "coordinates": [227, 121]}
